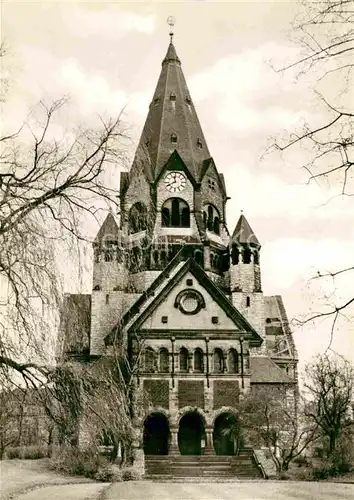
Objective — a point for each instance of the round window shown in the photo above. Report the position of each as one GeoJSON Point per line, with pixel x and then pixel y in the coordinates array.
{"type": "Point", "coordinates": [190, 303]}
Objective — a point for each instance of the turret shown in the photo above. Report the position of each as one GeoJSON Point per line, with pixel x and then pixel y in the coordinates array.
{"type": "Point", "coordinates": [109, 281]}
{"type": "Point", "coordinates": [245, 275]}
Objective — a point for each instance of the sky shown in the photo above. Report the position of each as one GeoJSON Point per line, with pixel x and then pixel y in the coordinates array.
{"type": "Point", "coordinates": [107, 56]}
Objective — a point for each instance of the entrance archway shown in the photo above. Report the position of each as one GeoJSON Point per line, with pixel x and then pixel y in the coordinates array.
{"type": "Point", "coordinates": [156, 434]}
{"type": "Point", "coordinates": [191, 433]}
{"type": "Point", "coordinates": [226, 435]}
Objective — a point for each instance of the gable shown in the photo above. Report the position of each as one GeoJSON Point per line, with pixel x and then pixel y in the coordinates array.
{"type": "Point", "coordinates": [176, 163]}
{"type": "Point", "coordinates": [171, 308]}
{"type": "Point", "coordinates": [209, 169]}
{"type": "Point", "coordinates": [109, 227]}
{"type": "Point", "coordinates": [174, 276]}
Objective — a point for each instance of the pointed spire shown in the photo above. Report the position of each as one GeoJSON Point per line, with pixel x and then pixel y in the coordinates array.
{"type": "Point", "coordinates": [171, 55]}
{"type": "Point", "coordinates": [172, 123]}
{"type": "Point", "coordinates": [109, 228]}
{"type": "Point", "coordinates": [243, 233]}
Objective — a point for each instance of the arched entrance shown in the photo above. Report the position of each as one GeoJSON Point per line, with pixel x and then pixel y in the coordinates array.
{"type": "Point", "coordinates": [226, 435]}
{"type": "Point", "coordinates": [191, 433]}
{"type": "Point", "coordinates": [156, 434]}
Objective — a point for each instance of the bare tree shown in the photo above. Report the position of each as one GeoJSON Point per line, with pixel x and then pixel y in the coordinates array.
{"type": "Point", "coordinates": [330, 386]}
{"type": "Point", "coordinates": [324, 33]}
{"type": "Point", "coordinates": [279, 424]}
{"type": "Point", "coordinates": [47, 185]}
{"type": "Point", "coordinates": [97, 398]}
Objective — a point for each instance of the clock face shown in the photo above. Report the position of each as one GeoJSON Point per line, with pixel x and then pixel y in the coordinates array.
{"type": "Point", "coordinates": [175, 182]}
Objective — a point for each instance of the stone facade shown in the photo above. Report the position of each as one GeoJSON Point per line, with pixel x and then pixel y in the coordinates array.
{"type": "Point", "coordinates": [184, 295]}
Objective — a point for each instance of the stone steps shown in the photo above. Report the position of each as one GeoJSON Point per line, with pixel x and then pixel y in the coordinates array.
{"type": "Point", "coordinates": [203, 466]}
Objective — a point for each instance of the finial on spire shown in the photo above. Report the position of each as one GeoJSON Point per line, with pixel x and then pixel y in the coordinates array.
{"type": "Point", "coordinates": [171, 21]}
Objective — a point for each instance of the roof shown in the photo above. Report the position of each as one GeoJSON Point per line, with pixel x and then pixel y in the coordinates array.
{"type": "Point", "coordinates": [171, 112]}
{"type": "Point", "coordinates": [243, 233]}
{"type": "Point", "coordinates": [162, 285]}
{"type": "Point", "coordinates": [279, 340]}
{"type": "Point", "coordinates": [171, 55]}
{"type": "Point", "coordinates": [206, 166]}
{"type": "Point", "coordinates": [108, 228]}
{"type": "Point", "coordinates": [265, 371]}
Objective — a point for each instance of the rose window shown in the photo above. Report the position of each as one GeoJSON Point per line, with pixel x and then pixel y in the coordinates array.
{"type": "Point", "coordinates": [189, 301]}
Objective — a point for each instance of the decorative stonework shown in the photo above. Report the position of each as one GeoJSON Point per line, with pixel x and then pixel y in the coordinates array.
{"type": "Point", "coordinates": [191, 393]}
{"type": "Point", "coordinates": [189, 301]}
{"type": "Point", "coordinates": [157, 392]}
{"type": "Point", "coordinates": [226, 393]}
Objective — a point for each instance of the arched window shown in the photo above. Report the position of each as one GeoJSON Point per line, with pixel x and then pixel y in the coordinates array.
{"type": "Point", "coordinates": [149, 361]}
{"type": "Point", "coordinates": [137, 218]}
{"type": "Point", "coordinates": [198, 257]}
{"type": "Point", "coordinates": [248, 301]}
{"type": "Point", "coordinates": [108, 255]}
{"type": "Point", "coordinates": [198, 361]}
{"type": "Point", "coordinates": [235, 255]}
{"type": "Point", "coordinates": [216, 225]}
{"type": "Point", "coordinates": [211, 219]}
{"type": "Point", "coordinates": [246, 255]}
{"type": "Point", "coordinates": [164, 363]}
{"type": "Point", "coordinates": [225, 262]}
{"type": "Point", "coordinates": [175, 213]}
{"type": "Point", "coordinates": [165, 217]}
{"type": "Point", "coordinates": [210, 222]}
{"type": "Point", "coordinates": [172, 96]}
{"type": "Point", "coordinates": [185, 217]}
{"type": "Point", "coordinates": [218, 361]}
{"type": "Point", "coordinates": [232, 361]}
{"type": "Point", "coordinates": [205, 219]}
{"type": "Point", "coordinates": [173, 138]}
{"type": "Point", "coordinates": [183, 360]}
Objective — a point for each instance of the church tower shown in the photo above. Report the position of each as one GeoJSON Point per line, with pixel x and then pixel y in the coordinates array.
{"type": "Point", "coordinates": [181, 297]}
{"type": "Point", "coordinates": [174, 196]}
{"type": "Point", "coordinates": [245, 275]}
{"type": "Point", "coordinates": [109, 283]}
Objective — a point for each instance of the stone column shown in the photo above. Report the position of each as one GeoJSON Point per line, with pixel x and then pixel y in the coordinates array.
{"type": "Point", "coordinates": [209, 447]}
{"type": "Point", "coordinates": [190, 362]}
{"type": "Point", "coordinates": [174, 450]}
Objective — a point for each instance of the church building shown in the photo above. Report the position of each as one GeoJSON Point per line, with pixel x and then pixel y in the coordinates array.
{"type": "Point", "coordinates": [180, 292]}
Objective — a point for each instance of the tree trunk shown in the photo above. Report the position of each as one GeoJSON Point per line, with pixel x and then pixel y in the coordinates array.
{"type": "Point", "coordinates": [332, 443]}
{"type": "Point", "coordinates": [114, 451]}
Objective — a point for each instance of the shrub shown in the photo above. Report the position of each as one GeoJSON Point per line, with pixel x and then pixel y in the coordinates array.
{"type": "Point", "coordinates": [304, 475]}
{"type": "Point", "coordinates": [109, 474]}
{"type": "Point", "coordinates": [73, 461]}
{"type": "Point", "coordinates": [341, 461]}
{"type": "Point", "coordinates": [34, 452]}
{"type": "Point", "coordinates": [130, 474]}
{"type": "Point", "coordinates": [301, 461]}
{"type": "Point", "coordinates": [283, 476]}
{"type": "Point", "coordinates": [324, 472]}
{"type": "Point", "coordinates": [319, 452]}
{"type": "Point", "coordinates": [13, 452]}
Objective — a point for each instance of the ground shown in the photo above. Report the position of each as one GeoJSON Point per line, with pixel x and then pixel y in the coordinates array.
{"type": "Point", "coordinates": [29, 480]}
